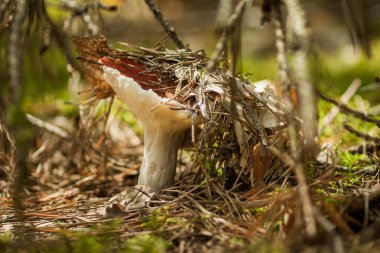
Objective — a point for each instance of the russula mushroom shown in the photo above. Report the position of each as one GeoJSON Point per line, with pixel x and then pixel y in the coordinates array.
{"type": "Point", "coordinates": [165, 122]}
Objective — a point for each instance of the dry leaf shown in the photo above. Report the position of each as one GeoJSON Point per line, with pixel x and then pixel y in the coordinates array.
{"type": "Point", "coordinates": [262, 159]}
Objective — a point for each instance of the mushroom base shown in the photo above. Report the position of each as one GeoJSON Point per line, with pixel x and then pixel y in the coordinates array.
{"type": "Point", "coordinates": [160, 157]}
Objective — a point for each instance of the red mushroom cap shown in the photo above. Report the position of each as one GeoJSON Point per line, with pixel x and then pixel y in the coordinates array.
{"type": "Point", "coordinates": [134, 69]}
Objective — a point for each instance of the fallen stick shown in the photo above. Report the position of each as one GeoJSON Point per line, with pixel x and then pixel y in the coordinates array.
{"type": "Point", "coordinates": [48, 127]}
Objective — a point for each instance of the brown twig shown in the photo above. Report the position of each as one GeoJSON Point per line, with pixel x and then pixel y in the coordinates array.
{"type": "Point", "coordinates": [344, 108]}
{"type": "Point", "coordinates": [287, 85]}
{"type": "Point", "coordinates": [307, 102]}
{"type": "Point", "coordinates": [307, 206]}
{"type": "Point", "coordinates": [361, 134]}
{"type": "Point", "coordinates": [14, 49]}
{"type": "Point", "coordinates": [231, 24]}
{"type": "Point", "coordinates": [351, 90]}
{"type": "Point", "coordinates": [60, 37]}
{"type": "Point", "coordinates": [165, 24]}
{"type": "Point", "coordinates": [281, 46]}
{"type": "Point", "coordinates": [223, 13]}
{"type": "Point", "coordinates": [14, 53]}
{"type": "Point", "coordinates": [296, 162]}
{"type": "Point", "coordinates": [368, 147]}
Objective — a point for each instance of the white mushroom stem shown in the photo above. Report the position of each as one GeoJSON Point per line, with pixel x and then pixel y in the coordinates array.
{"type": "Point", "coordinates": [163, 128]}
{"type": "Point", "coordinates": [160, 156]}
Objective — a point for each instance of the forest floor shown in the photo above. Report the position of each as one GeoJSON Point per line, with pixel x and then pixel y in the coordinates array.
{"type": "Point", "coordinates": [79, 189]}
{"type": "Point", "coordinates": [65, 203]}
{"type": "Point", "coordinates": [71, 200]}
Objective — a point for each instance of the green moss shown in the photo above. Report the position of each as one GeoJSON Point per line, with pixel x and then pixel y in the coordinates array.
{"type": "Point", "coordinates": [320, 191]}
{"type": "Point", "coordinates": [6, 237]}
{"type": "Point", "coordinates": [352, 161]}
{"type": "Point", "coordinates": [156, 220]}
{"type": "Point", "coordinates": [257, 210]}
{"type": "Point", "coordinates": [235, 241]}
{"type": "Point", "coordinates": [330, 200]}
{"type": "Point", "coordinates": [310, 168]}
{"type": "Point", "coordinates": [146, 244]}
{"type": "Point", "coordinates": [264, 246]}
{"type": "Point", "coordinates": [87, 244]}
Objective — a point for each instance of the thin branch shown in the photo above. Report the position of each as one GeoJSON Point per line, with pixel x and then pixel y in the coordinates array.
{"type": "Point", "coordinates": [231, 24]}
{"type": "Point", "coordinates": [165, 24]}
{"type": "Point", "coordinates": [307, 102]}
{"type": "Point", "coordinates": [361, 134]}
{"type": "Point", "coordinates": [223, 13]}
{"type": "Point", "coordinates": [281, 46]}
{"type": "Point", "coordinates": [284, 74]}
{"type": "Point", "coordinates": [368, 148]}
{"type": "Point", "coordinates": [61, 39]}
{"type": "Point", "coordinates": [344, 108]}
{"type": "Point", "coordinates": [14, 49]}
{"type": "Point", "coordinates": [347, 95]}
{"type": "Point", "coordinates": [307, 206]}
{"type": "Point", "coordinates": [15, 80]}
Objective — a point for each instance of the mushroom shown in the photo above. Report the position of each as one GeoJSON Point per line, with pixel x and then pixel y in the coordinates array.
{"type": "Point", "coordinates": [165, 120]}
{"type": "Point", "coordinates": [165, 123]}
